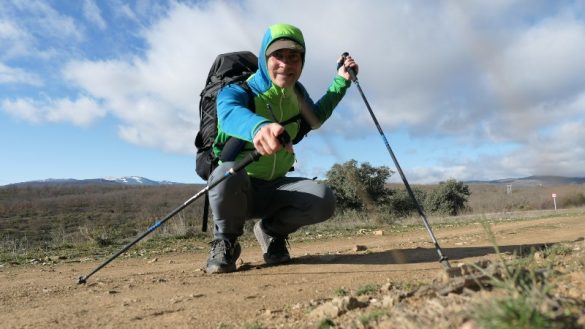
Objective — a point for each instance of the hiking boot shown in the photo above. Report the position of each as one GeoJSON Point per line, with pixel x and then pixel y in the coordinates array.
{"type": "Point", "coordinates": [222, 256]}
{"type": "Point", "coordinates": [274, 248]}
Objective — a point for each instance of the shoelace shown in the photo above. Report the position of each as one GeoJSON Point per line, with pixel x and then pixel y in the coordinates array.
{"type": "Point", "coordinates": [220, 247]}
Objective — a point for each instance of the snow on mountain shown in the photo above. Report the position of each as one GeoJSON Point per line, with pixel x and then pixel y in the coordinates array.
{"type": "Point", "coordinates": [133, 180]}
{"type": "Point", "coordinates": [130, 181]}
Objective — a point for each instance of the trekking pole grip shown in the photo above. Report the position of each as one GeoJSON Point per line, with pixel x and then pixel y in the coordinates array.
{"type": "Point", "coordinates": [350, 70]}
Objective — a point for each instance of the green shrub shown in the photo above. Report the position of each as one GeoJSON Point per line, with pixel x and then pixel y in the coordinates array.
{"type": "Point", "coordinates": [511, 313]}
{"type": "Point", "coordinates": [524, 304]}
{"type": "Point", "coordinates": [358, 188]}
{"type": "Point", "coordinates": [341, 292]}
{"type": "Point", "coordinates": [448, 198]}
{"type": "Point", "coordinates": [400, 204]}
{"type": "Point", "coordinates": [367, 289]}
{"type": "Point", "coordinates": [375, 315]}
{"type": "Point", "coordinates": [326, 324]}
{"type": "Point", "coordinates": [572, 200]}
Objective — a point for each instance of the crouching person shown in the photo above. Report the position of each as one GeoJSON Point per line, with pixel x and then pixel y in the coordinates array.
{"type": "Point", "coordinates": [283, 204]}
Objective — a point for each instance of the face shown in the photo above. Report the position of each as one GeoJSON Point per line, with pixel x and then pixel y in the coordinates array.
{"type": "Point", "coordinates": [284, 67]}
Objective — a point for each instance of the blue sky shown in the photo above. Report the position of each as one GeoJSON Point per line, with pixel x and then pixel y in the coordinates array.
{"type": "Point", "coordinates": [463, 89]}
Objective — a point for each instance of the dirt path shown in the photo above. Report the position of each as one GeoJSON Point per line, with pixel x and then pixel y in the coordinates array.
{"type": "Point", "coordinates": [173, 292]}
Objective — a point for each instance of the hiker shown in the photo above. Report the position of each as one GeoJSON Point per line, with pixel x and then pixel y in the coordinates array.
{"type": "Point", "coordinates": [283, 204]}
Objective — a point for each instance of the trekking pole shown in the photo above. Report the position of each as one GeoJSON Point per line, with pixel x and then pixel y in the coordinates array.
{"type": "Point", "coordinates": [251, 157]}
{"type": "Point", "coordinates": [442, 258]}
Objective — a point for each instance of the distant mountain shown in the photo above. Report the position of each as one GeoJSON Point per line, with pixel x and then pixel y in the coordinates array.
{"type": "Point", "coordinates": [534, 181]}
{"type": "Point", "coordinates": [135, 180]}
{"type": "Point", "coordinates": [141, 181]}
{"type": "Point", "coordinates": [129, 181]}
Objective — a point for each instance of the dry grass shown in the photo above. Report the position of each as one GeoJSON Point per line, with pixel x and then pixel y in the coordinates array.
{"type": "Point", "coordinates": [56, 217]}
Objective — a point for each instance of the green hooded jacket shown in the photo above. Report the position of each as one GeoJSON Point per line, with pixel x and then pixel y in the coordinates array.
{"type": "Point", "coordinates": [236, 120]}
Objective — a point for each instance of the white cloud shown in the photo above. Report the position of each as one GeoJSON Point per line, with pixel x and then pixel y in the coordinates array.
{"type": "Point", "coordinates": [80, 112]}
{"type": "Point", "coordinates": [44, 21]}
{"type": "Point", "coordinates": [9, 75]}
{"type": "Point", "coordinates": [93, 14]}
{"type": "Point", "coordinates": [15, 41]}
{"type": "Point", "coordinates": [34, 29]}
{"type": "Point", "coordinates": [24, 109]}
{"type": "Point", "coordinates": [430, 175]}
{"type": "Point", "coordinates": [124, 10]}
{"type": "Point", "coordinates": [156, 96]}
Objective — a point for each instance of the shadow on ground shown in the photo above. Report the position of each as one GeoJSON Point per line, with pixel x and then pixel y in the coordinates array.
{"type": "Point", "coordinates": [416, 255]}
{"type": "Point", "coordinates": [409, 256]}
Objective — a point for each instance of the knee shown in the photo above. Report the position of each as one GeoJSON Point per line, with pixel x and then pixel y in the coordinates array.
{"type": "Point", "coordinates": [235, 184]}
{"type": "Point", "coordinates": [326, 206]}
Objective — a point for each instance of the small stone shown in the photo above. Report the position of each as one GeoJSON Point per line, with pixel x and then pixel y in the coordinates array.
{"type": "Point", "coordinates": [363, 300]}
{"type": "Point", "coordinates": [538, 256]}
{"type": "Point", "coordinates": [386, 287]}
{"type": "Point", "coordinates": [360, 248]}
{"type": "Point", "coordinates": [347, 303]}
{"type": "Point", "coordinates": [379, 232]}
{"type": "Point", "coordinates": [154, 260]}
{"type": "Point", "coordinates": [574, 292]}
{"type": "Point", "coordinates": [325, 311]}
{"type": "Point", "coordinates": [390, 301]}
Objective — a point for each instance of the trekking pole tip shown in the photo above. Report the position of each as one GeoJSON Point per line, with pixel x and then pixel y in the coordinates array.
{"type": "Point", "coordinates": [445, 262]}
{"type": "Point", "coordinates": [82, 280]}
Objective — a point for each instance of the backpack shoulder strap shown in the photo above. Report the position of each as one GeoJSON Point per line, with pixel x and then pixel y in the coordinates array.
{"type": "Point", "coordinates": [306, 118]}
{"type": "Point", "coordinates": [306, 110]}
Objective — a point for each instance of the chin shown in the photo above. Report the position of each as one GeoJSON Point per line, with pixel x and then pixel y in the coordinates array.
{"type": "Point", "coordinates": [287, 83]}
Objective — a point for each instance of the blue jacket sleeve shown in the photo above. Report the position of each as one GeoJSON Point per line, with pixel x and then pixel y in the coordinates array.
{"type": "Point", "coordinates": [234, 117]}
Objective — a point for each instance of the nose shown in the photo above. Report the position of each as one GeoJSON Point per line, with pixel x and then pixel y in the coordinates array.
{"type": "Point", "coordinates": [283, 62]}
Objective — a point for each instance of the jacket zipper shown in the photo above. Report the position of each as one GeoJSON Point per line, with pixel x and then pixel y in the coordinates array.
{"type": "Point", "coordinates": [277, 121]}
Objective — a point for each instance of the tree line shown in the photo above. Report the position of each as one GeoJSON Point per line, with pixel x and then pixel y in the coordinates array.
{"type": "Point", "coordinates": [364, 187]}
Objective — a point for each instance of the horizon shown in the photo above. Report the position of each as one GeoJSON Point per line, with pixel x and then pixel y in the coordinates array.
{"type": "Point", "coordinates": [469, 91]}
{"type": "Point", "coordinates": [118, 179]}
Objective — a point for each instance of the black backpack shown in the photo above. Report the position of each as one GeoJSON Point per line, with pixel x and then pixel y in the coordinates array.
{"type": "Point", "coordinates": [227, 69]}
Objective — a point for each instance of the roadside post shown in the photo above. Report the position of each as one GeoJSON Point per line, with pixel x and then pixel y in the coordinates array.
{"type": "Point", "coordinates": [554, 196]}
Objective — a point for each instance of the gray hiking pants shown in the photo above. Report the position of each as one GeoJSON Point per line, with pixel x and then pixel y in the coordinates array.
{"type": "Point", "coordinates": [284, 205]}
